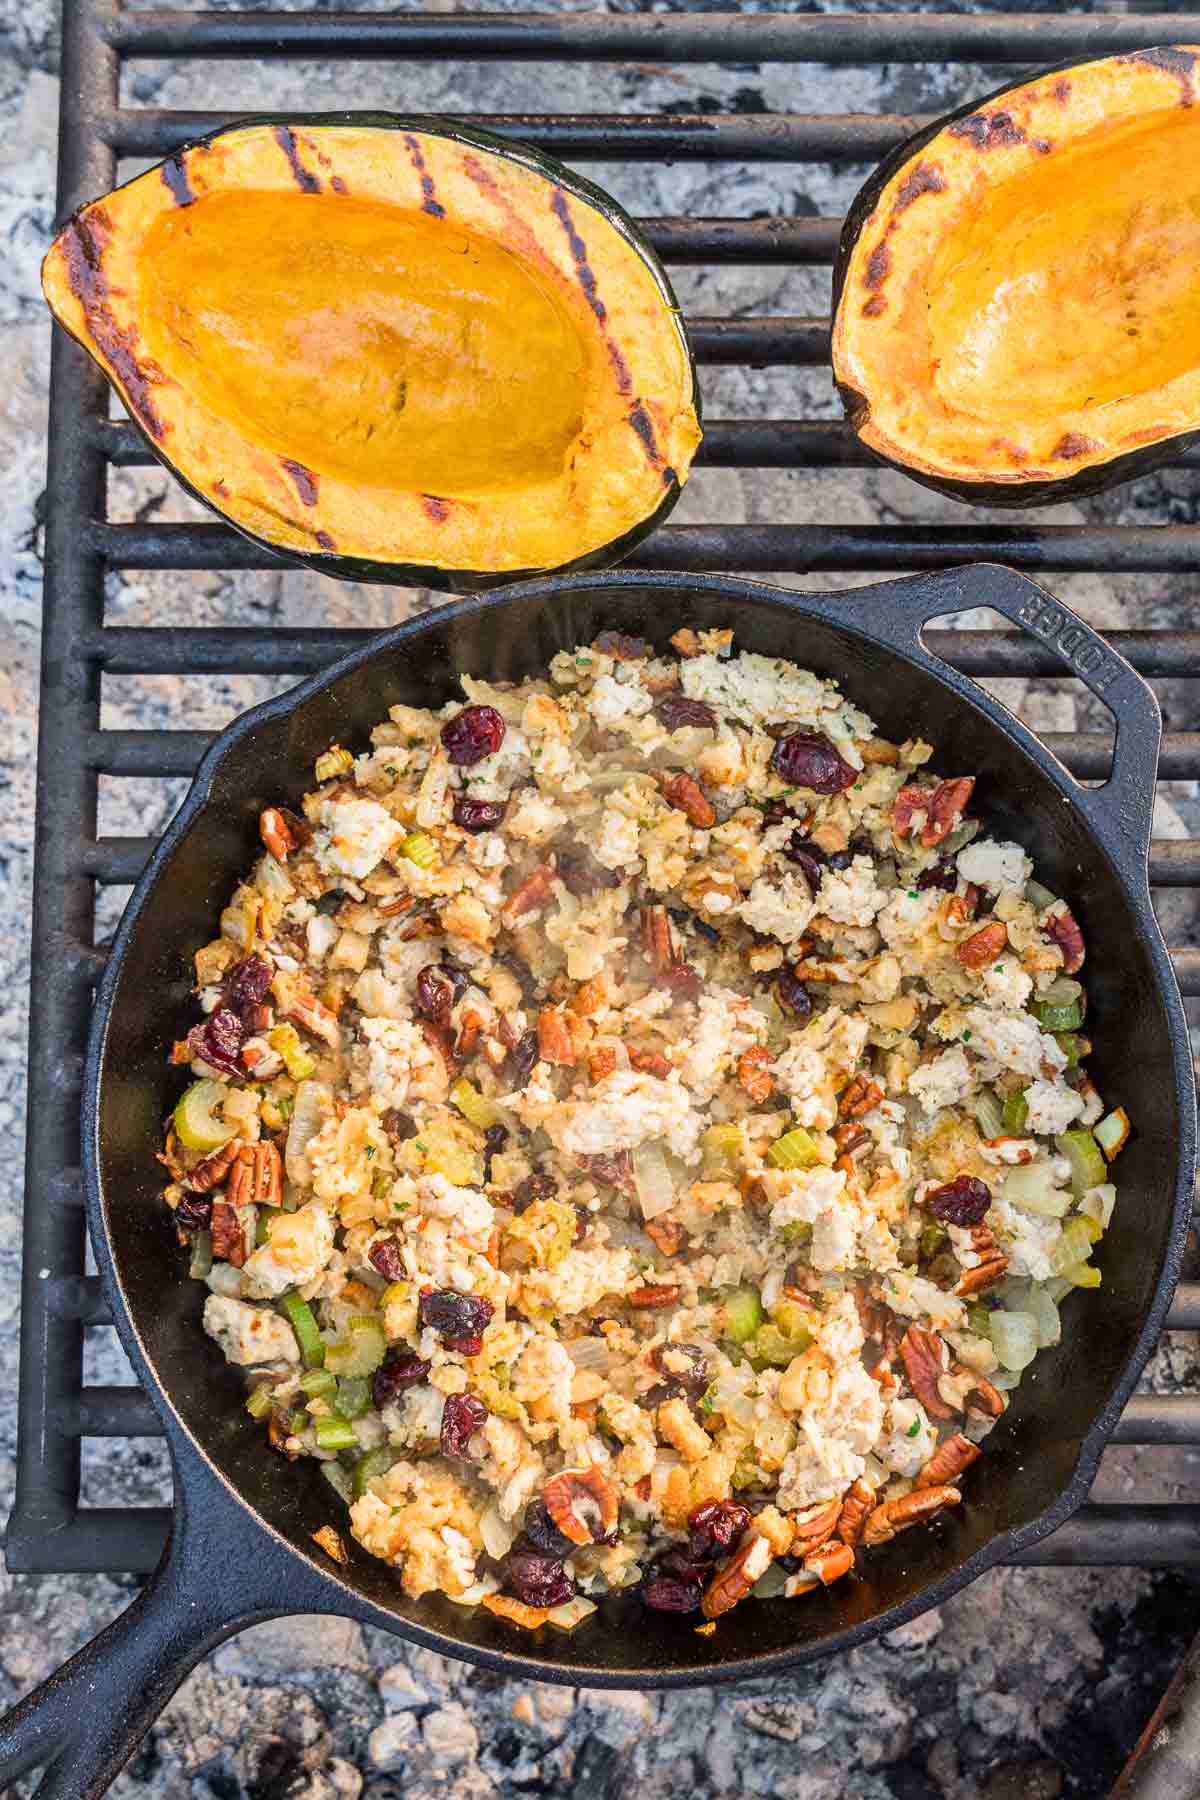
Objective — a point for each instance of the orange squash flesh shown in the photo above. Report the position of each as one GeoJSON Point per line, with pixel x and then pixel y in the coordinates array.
{"type": "Point", "coordinates": [406, 351]}
{"type": "Point", "coordinates": [1021, 301]}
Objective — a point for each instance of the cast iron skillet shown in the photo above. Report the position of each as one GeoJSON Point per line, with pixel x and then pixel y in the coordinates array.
{"type": "Point", "coordinates": [241, 1548]}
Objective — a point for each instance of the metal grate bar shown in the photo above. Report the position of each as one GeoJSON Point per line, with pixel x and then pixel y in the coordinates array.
{"type": "Point", "coordinates": [761, 549]}
{"type": "Point", "coordinates": [599, 137]}
{"type": "Point", "coordinates": [301, 650]}
{"type": "Point", "coordinates": [1156, 1537]}
{"type": "Point", "coordinates": [836, 38]}
{"type": "Point", "coordinates": [1159, 1419]}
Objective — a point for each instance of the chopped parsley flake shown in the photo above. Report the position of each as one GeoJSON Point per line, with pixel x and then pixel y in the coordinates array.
{"type": "Point", "coordinates": [966, 1037]}
{"type": "Point", "coordinates": [913, 1428]}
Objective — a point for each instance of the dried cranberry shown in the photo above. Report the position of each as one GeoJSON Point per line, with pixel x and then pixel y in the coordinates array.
{"type": "Point", "coordinates": [543, 1533]}
{"type": "Point", "coordinates": [581, 874]}
{"type": "Point", "coordinates": [715, 1528]}
{"type": "Point", "coordinates": [194, 1212]}
{"type": "Point", "coordinates": [668, 1593]}
{"type": "Point", "coordinates": [943, 876]}
{"type": "Point", "coordinates": [247, 984]}
{"type": "Point", "coordinates": [399, 1125]}
{"type": "Point", "coordinates": [454, 1315]}
{"type": "Point", "coordinates": [462, 1415]}
{"type": "Point", "coordinates": [676, 710]}
{"type": "Point", "coordinates": [963, 1201]}
{"type": "Point", "coordinates": [494, 1139]}
{"type": "Point", "coordinates": [521, 1059]}
{"type": "Point", "coordinates": [516, 965]}
{"type": "Point", "coordinates": [439, 985]}
{"type": "Point", "coordinates": [218, 1042]}
{"type": "Point", "coordinates": [807, 759]}
{"type": "Point", "coordinates": [385, 1258]}
{"type": "Point", "coordinates": [621, 647]}
{"type": "Point", "coordinates": [536, 1579]}
{"type": "Point", "coordinates": [478, 815]}
{"type": "Point", "coordinates": [791, 993]}
{"type": "Point", "coordinates": [840, 860]}
{"type": "Point", "coordinates": [681, 978]}
{"type": "Point", "coordinates": [691, 921]}
{"type": "Point", "coordinates": [808, 856]}
{"type": "Point", "coordinates": [399, 1372]}
{"type": "Point", "coordinates": [472, 734]}
{"type": "Point", "coordinates": [538, 1186]}
{"type": "Point", "coordinates": [690, 1381]}
{"type": "Point", "coordinates": [613, 1170]}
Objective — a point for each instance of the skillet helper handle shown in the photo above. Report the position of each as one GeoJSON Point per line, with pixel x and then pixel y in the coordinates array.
{"type": "Point", "coordinates": [217, 1575]}
{"type": "Point", "coordinates": [1124, 807]}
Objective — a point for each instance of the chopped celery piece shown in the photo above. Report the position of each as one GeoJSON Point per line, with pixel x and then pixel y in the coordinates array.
{"type": "Point", "coordinates": [743, 1313]}
{"type": "Point", "coordinates": [339, 1479]}
{"type": "Point", "coordinates": [353, 1396]}
{"type": "Point", "coordinates": [989, 1115]}
{"type": "Point", "coordinates": [296, 1060]}
{"type": "Point", "coordinates": [722, 1140]}
{"type": "Point", "coordinates": [1083, 1275]}
{"type": "Point", "coordinates": [771, 1346]}
{"type": "Point", "coordinates": [1074, 1046]}
{"type": "Point", "coordinates": [798, 1232]}
{"type": "Point", "coordinates": [262, 1228]}
{"type": "Point", "coordinates": [793, 1319]}
{"type": "Point", "coordinates": [1112, 1133]}
{"type": "Point", "coordinates": [1031, 1187]}
{"type": "Point", "coordinates": [1016, 1111]}
{"type": "Point", "coordinates": [259, 1401]}
{"type": "Point", "coordinates": [419, 848]}
{"type": "Point", "coordinates": [931, 1240]}
{"type": "Point", "coordinates": [1074, 1246]}
{"type": "Point", "coordinates": [1058, 1018]}
{"type": "Point", "coordinates": [794, 1150]}
{"type": "Point", "coordinates": [333, 762]}
{"type": "Point", "coordinates": [318, 1384]}
{"type": "Point", "coordinates": [1039, 896]}
{"type": "Point", "coordinates": [196, 1124]}
{"type": "Point", "coordinates": [361, 1351]}
{"type": "Point", "coordinates": [473, 1106]}
{"type": "Point", "coordinates": [374, 1463]}
{"type": "Point", "coordinates": [1088, 1167]}
{"type": "Point", "coordinates": [299, 1315]}
{"type": "Point", "coordinates": [335, 1433]}
{"type": "Point", "coordinates": [979, 1319]}
{"type": "Point", "coordinates": [1064, 990]}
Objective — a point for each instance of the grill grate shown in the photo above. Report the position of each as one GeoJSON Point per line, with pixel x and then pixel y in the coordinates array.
{"type": "Point", "coordinates": [50, 1530]}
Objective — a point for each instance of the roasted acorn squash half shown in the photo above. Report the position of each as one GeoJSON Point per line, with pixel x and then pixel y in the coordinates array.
{"type": "Point", "coordinates": [1017, 291]}
{"type": "Point", "coordinates": [390, 350]}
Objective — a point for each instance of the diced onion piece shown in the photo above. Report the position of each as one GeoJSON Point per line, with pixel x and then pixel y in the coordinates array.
{"type": "Point", "coordinates": [1064, 990]}
{"type": "Point", "coordinates": [655, 1183]}
{"type": "Point", "coordinates": [314, 1101]}
{"type": "Point", "coordinates": [274, 881]}
{"type": "Point", "coordinates": [1112, 1133]}
{"type": "Point", "coordinates": [1083, 1275]}
{"type": "Point", "coordinates": [794, 1150]}
{"type": "Point", "coordinates": [473, 1105]}
{"type": "Point", "coordinates": [1098, 1204]}
{"type": "Point", "coordinates": [989, 1114]}
{"type": "Point", "coordinates": [1044, 1310]}
{"type": "Point", "coordinates": [339, 1479]}
{"type": "Point", "coordinates": [1086, 1158]}
{"type": "Point", "coordinates": [571, 1613]}
{"type": "Point", "coordinates": [1031, 1187]}
{"type": "Point", "coordinates": [1074, 1246]}
{"type": "Point", "coordinates": [770, 1585]}
{"type": "Point", "coordinates": [498, 1533]}
{"type": "Point", "coordinates": [196, 1124]}
{"type": "Point", "coordinates": [590, 1353]}
{"type": "Point", "coordinates": [1014, 1338]}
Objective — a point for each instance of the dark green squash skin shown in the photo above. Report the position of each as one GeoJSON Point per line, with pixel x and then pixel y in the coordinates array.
{"type": "Point", "coordinates": [1096, 480]}
{"type": "Point", "coordinates": [455, 581]}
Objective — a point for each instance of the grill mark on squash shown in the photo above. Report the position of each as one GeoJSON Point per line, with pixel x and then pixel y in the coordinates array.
{"type": "Point", "coordinates": [437, 508]}
{"type": "Point", "coordinates": [175, 179]}
{"type": "Point", "coordinates": [429, 203]}
{"type": "Point", "coordinates": [1172, 59]}
{"type": "Point", "coordinates": [926, 178]}
{"type": "Point", "coordinates": [83, 242]}
{"type": "Point", "coordinates": [579, 251]}
{"type": "Point", "coordinates": [641, 423]}
{"type": "Point", "coordinates": [996, 131]}
{"type": "Point", "coordinates": [304, 479]}
{"type": "Point", "coordinates": [305, 180]}
{"type": "Point", "coordinates": [1061, 90]}
{"type": "Point", "coordinates": [1071, 445]}
{"type": "Point", "coordinates": [325, 541]}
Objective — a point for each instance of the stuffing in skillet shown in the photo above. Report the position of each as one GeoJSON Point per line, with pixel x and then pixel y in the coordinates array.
{"type": "Point", "coordinates": [639, 1133]}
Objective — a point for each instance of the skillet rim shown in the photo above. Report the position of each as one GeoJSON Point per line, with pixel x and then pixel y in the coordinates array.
{"type": "Point", "coordinates": [191, 1462]}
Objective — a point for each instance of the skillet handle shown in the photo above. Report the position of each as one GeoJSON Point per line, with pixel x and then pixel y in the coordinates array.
{"type": "Point", "coordinates": [218, 1574]}
{"type": "Point", "coordinates": [1123, 808]}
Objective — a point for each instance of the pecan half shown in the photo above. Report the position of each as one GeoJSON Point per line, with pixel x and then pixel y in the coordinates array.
{"type": "Point", "coordinates": [658, 945]}
{"type": "Point", "coordinates": [685, 794]}
{"type": "Point", "coordinates": [983, 947]}
{"type": "Point", "coordinates": [650, 1062]}
{"type": "Point", "coordinates": [734, 1579]}
{"type": "Point", "coordinates": [439, 1039]}
{"type": "Point", "coordinates": [687, 642]}
{"type": "Point", "coordinates": [878, 750]}
{"type": "Point", "coordinates": [205, 1176]}
{"type": "Point", "coordinates": [985, 1401]}
{"type": "Point", "coordinates": [1061, 928]}
{"type": "Point", "coordinates": [228, 1238]}
{"type": "Point", "coordinates": [946, 808]}
{"type": "Point", "coordinates": [924, 1358]}
{"type": "Point", "coordinates": [991, 1265]}
{"type": "Point", "coordinates": [666, 1233]}
{"type": "Point", "coordinates": [948, 1462]}
{"type": "Point", "coordinates": [529, 1618]}
{"type": "Point", "coordinates": [649, 1299]}
{"type": "Point", "coordinates": [283, 831]}
{"type": "Point", "coordinates": [257, 1178]}
{"type": "Point", "coordinates": [753, 1074]}
{"type": "Point", "coordinates": [895, 1516]}
{"type": "Point", "coordinates": [856, 1508]}
{"type": "Point", "coordinates": [859, 1097]}
{"type": "Point", "coordinates": [554, 1039]}
{"type": "Point", "coordinates": [850, 1138]}
{"type": "Point", "coordinates": [307, 1010]}
{"type": "Point", "coordinates": [331, 1543]}
{"type": "Point", "coordinates": [530, 897]}
{"type": "Point", "coordinates": [815, 1526]}
{"type": "Point", "coordinates": [583, 1504]}
{"type": "Point", "coordinates": [829, 1562]}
